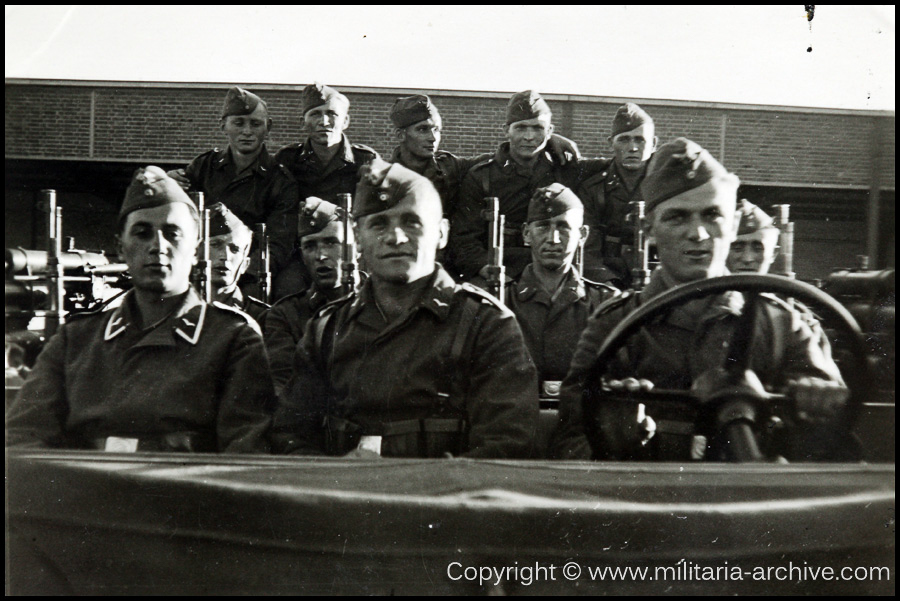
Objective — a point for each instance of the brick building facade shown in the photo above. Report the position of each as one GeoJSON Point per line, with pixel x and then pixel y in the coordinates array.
{"type": "Point", "coordinates": [85, 138]}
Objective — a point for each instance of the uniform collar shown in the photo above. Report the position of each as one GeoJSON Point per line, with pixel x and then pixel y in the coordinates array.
{"type": "Point", "coordinates": [503, 159]}
{"type": "Point", "coordinates": [262, 165]}
{"type": "Point", "coordinates": [613, 179]}
{"type": "Point", "coordinates": [235, 299]}
{"type": "Point", "coordinates": [571, 288]}
{"type": "Point", "coordinates": [345, 153]}
{"type": "Point", "coordinates": [317, 298]}
{"type": "Point", "coordinates": [432, 166]}
{"type": "Point", "coordinates": [436, 298]}
{"type": "Point", "coordinates": [710, 308]}
{"type": "Point", "coordinates": [186, 322]}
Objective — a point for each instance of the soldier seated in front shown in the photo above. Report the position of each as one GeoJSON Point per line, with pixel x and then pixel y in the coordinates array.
{"type": "Point", "coordinates": [691, 201]}
{"type": "Point", "coordinates": [163, 371]}
{"type": "Point", "coordinates": [551, 300]}
{"type": "Point", "coordinates": [413, 364]}
{"type": "Point", "coordinates": [229, 254]}
{"type": "Point", "coordinates": [321, 238]}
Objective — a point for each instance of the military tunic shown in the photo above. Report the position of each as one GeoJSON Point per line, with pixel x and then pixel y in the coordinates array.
{"type": "Point", "coordinates": [553, 324]}
{"type": "Point", "coordinates": [264, 193]}
{"type": "Point", "coordinates": [514, 185]}
{"type": "Point", "coordinates": [446, 171]}
{"type": "Point", "coordinates": [609, 247]}
{"type": "Point", "coordinates": [693, 339]}
{"type": "Point", "coordinates": [253, 307]}
{"type": "Point", "coordinates": [283, 326]}
{"type": "Point", "coordinates": [197, 381]}
{"type": "Point", "coordinates": [325, 181]}
{"type": "Point", "coordinates": [456, 357]}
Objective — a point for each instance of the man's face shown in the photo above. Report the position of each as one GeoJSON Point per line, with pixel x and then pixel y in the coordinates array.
{"type": "Point", "coordinates": [554, 241]}
{"type": "Point", "coordinates": [160, 247]}
{"type": "Point", "coordinates": [325, 124]}
{"type": "Point", "coordinates": [528, 138]}
{"type": "Point", "coordinates": [421, 139]}
{"type": "Point", "coordinates": [632, 149]}
{"type": "Point", "coordinates": [246, 133]}
{"type": "Point", "coordinates": [753, 253]}
{"type": "Point", "coordinates": [399, 245]}
{"type": "Point", "coordinates": [229, 256]}
{"type": "Point", "coordinates": [693, 233]}
{"type": "Point", "coordinates": [321, 254]}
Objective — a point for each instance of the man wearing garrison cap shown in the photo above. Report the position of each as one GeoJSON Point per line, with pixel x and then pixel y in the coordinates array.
{"type": "Point", "coordinates": [417, 127]}
{"type": "Point", "coordinates": [691, 200]}
{"type": "Point", "coordinates": [321, 237]}
{"type": "Point", "coordinates": [756, 245]}
{"type": "Point", "coordinates": [245, 178]}
{"type": "Point", "coordinates": [608, 196]}
{"type": "Point", "coordinates": [551, 300]}
{"type": "Point", "coordinates": [412, 364]}
{"type": "Point", "coordinates": [523, 163]}
{"type": "Point", "coordinates": [162, 370]}
{"type": "Point", "coordinates": [325, 165]}
{"type": "Point", "coordinates": [229, 253]}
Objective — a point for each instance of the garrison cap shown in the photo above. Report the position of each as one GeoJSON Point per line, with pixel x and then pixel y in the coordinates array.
{"type": "Point", "coordinates": [222, 221]}
{"type": "Point", "coordinates": [412, 109]}
{"type": "Point", "coordinates": [753, 219]}
{"type": "Point", "coordinates": [239, 101]}
{"type": "Point", "coordinates": [526, 105]}
{"type": "Point", "coordinates": [150, 187]}
{"type": "Point", "coordinates": [681, 166]}
{"type": "Point", "coordinates": [315, 216]}
{"type": "Point", "coordinates": [628, 117]}
{"type": "Point", "coordinates": [382, 185]}
{"type": "Point", "coordinates": [551, 201]}
{"type": "Point", "coordinates": [317, 94]}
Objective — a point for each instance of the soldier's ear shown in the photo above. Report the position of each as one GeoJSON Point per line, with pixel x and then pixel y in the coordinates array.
{"type": "Point", "coordinates": [269, 125]}
{"type": "Point", "coordinates": [506, 130]}
{"type": "Point", "coordinates": [526, 234]}
{"type": "Point", "coordinates": [444, 229]}
{"type": "Point", "coordinates": [346, 122]}
{"type": "Point", "coordinates": [400, 133]}
{"type": "Point", "coordinates": [119, 249]}
{"type": "Point", "coordinates": [585, 230]}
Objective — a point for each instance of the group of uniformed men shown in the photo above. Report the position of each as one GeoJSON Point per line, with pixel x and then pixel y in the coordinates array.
{"type": "Point", "coordinates": [411, 362]}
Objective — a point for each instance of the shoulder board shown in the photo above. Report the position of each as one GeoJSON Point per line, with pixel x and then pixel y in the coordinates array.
{"type": "Point", "coordinates": [617, 302]}
{"type": "Point", "coordinates": [289, 149]}
{"type": "Point", "coordinates": [364, 148]}
{"type": "Point", "coordinates": [482, 164]}
{"type": "Point", "coordinates": [601, 286]}
{"type": "Point", "coordinates": [235, 311]}
{"type": "Point", "coordinates": [258, 303]}
{"type": "Point", "coordinates": [331, 307]}
{"type": "Point", "coordinates": [484, 296]}
{"type": "Point", "coordinates": [288, 298]}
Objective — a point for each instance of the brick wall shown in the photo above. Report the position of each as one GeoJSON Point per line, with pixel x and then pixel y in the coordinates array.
{"type": "Point", "coordinates": [134, 122]}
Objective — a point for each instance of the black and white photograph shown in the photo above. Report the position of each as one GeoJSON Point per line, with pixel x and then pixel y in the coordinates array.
{"type": "Point", "coordinates": [450, 300]}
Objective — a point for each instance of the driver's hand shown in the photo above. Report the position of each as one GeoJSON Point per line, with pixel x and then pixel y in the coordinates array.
{"type": "Point", "coordinates": [628, 385]}
{"type": "Point", "coordinates": [564, 148]}
{"type": "Point", "coordinates": [179, 176]}
{"type": "Point", "coordinates": [818, 399]}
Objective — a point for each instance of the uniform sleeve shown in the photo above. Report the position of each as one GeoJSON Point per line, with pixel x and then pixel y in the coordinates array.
{"type": "Point", "coordinates": [465, 164]}
{"type": "Point", "coordinates": [807, 352]}
{"type": "Point", "coordinates": [281, 224]}
{"type": "Point", "coordinates": [468, 236]}
{"type": "Point", "coordinates": [569, 440]}
{"type": "Point", "coordinates": [37, 416]}
{"type": "Point", "coordinates": [298, 423]}
{"type": "Point", "coordinates": [502, 403]}
{"type": "Point", "coordinates": [247, 396]}
{"type": "Point", "coordinates": [195, 173]}
{"type": "Point", "coordinates": [280, 344]}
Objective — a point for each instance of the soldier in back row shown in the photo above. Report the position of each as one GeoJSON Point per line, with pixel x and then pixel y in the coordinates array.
{"type": "Point", "coordinates": [609, 197]}
{"type": "Point", "coordinates": [325, 165]}
{"type": "Point", "coordinates": [521, 165]}
{"type": "Point", "coordinates": [245, 178]}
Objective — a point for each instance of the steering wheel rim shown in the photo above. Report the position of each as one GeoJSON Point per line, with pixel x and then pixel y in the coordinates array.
{"type": "Point", "coordinates": [857, 377]}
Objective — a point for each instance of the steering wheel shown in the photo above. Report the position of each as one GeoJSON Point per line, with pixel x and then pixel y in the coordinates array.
{"type": "Point", "coordinates": [730, 403]}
